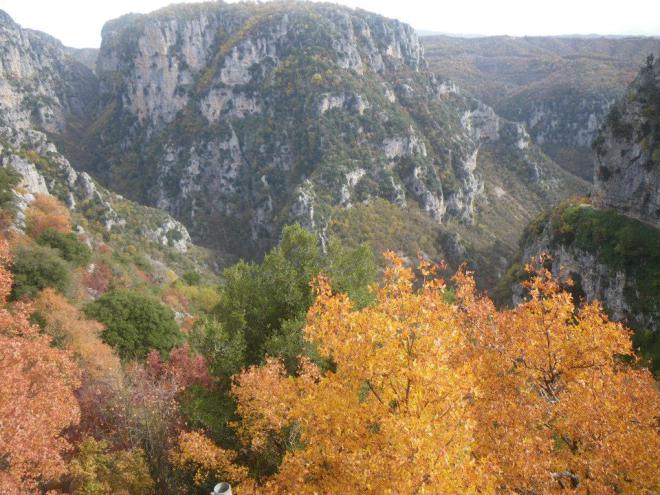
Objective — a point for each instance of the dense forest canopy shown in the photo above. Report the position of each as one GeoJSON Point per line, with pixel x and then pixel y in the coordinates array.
{"type": "Point", "coordinates": [414, 382]}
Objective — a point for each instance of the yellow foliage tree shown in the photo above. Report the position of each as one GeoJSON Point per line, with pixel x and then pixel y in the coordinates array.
{"type": "Point", "coordinates": [206, 462]}
{"type": "Point", "coordinates": [394, 415]}
{"type": "Point", "coordinates": [429, 396]}
{"type": "Point", "coordinates": [559, 407]}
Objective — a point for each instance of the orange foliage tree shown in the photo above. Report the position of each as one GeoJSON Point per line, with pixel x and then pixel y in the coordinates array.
{"type": "Point", "coordinates": [559, 405]}
{"type": "Point", "coordinates": [46, 212]}
{"type": "Point", "coordinates": [66, 324]}
{"type": "Point", "coordinates": [435, 394]}
{"type": "Point", "coordinates": [37, 400]}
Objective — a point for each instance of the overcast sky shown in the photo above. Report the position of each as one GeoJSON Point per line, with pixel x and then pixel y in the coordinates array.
{"type": "Point", "coordinates": [78, 22]}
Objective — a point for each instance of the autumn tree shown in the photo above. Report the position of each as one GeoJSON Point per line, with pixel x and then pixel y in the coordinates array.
{"type": "Point", "coordinates": [37, 400]}
{"type": "Point", "coordinates": [394, 414]}
{"type": "Point", "coordinates": [46, 212]}
{"type": "Point", "coordinates": [203, 463]}
{"type": "Point", "coordinates": [559, 405]}
{"type": "Point", "coordinates": [70, 329]}
{"type": "Point", "coordinates": [96, 469]}
{"type": "Point", "coordinates": [144, 410]}
{"type": "Point", "coordinates": [437, 394]}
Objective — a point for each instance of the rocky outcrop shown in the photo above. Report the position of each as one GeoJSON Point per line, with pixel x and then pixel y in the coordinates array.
{"type": "Point", "coordinates": [42, 88]}
{"type": "Point", "coordinates": [156, 63]}
{"type": "Point", "coordinates": [627, 168]}
{"type": "Point", "coordinates": [44, 170]}
{"type": "Point", "coordinates": [570, 121]}
{"type": "Point", "coordinates": [593, 277]}
{"type": "Point", "coordinates": [39, 84]}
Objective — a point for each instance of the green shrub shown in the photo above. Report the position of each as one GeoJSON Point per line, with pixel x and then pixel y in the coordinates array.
{"type": "Point", "coordinates": [135, 323]}
{"type": "Point", "coordinates": [68, 246]}
{"type": "Point", "coordinates": [37, 267]}
{"type": "Point", "coordinates": [9, 179]}
{"type": "Point", "coordinates": [192, 278]}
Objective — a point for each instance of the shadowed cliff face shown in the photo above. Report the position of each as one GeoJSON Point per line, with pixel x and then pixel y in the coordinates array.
{"type": "Point", "coordinates": [627, 171]}
{"type": "Point", "coordinates": [240, 118]}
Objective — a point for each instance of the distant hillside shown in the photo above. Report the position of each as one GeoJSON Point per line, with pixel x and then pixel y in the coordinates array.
{"type": "Point", "coordinates": [560, 87]}
{"type": "Point", "coordinates": [86, 56]}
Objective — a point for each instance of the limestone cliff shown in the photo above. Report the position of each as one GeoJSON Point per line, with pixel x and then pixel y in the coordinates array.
{"type": "Point", "coordinates": [45, 95]}
{"type": "Point", "coordinates": [609, 257]}
{"type": "Point", "coordinates": [239, 118]}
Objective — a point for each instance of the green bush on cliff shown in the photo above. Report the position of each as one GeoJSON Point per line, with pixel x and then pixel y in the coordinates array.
{"type": "Point", "coordinates": [68, 246]}
{"type": "Point", "coordinates": [9, 179]}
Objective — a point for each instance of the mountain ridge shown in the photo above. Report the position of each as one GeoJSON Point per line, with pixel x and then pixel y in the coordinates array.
{"type": "Point", "coordinates": [238, 119]}
{"type": "Point", "coordinates": [241, 118]}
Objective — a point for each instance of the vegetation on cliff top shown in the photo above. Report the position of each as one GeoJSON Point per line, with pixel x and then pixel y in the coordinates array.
{"type": "Point", "coordinates": [620, 243]}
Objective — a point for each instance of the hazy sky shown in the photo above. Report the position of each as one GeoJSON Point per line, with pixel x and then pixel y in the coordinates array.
{"type": "Point", "coordinates": [78, 22]}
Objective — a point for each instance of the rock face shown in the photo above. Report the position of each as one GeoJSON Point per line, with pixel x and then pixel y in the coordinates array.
{"type": "Point", "coordinates": [39, 84]}
{"type": "Point", "coordinates": [608, 257]}
{"type": "Point", "coordinates": [562, 121]}
{"type": "Point", "coordinates": [594, 276]}
{"type": "Point", "coordinates": [627, 169]}
{"type": "Point", "coordinates": [240, 118]}
{"type": "Point", "coordinates": [237, 119]}
{"type": "Point", "coordinates": [43, 89]}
